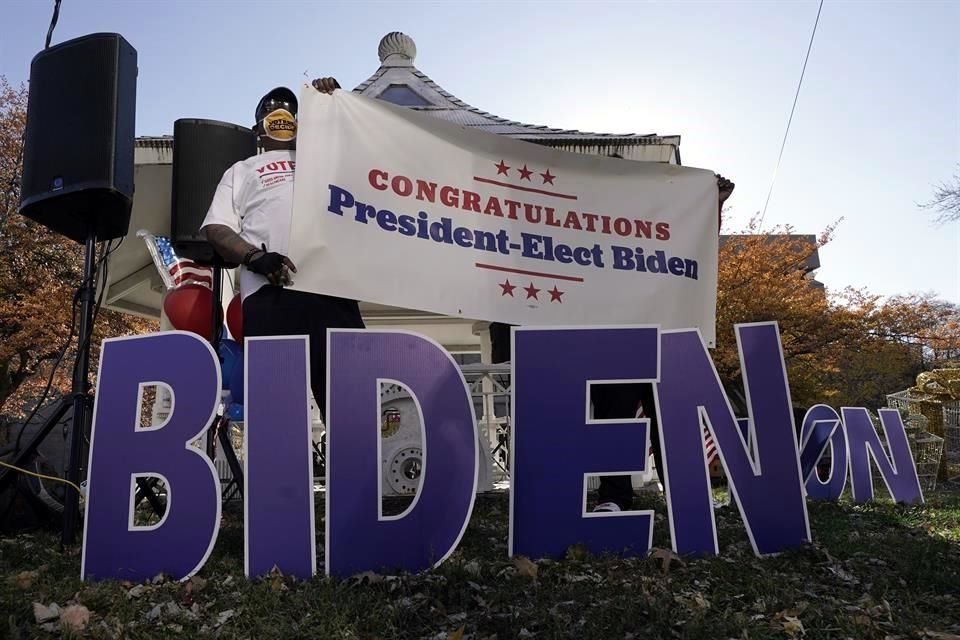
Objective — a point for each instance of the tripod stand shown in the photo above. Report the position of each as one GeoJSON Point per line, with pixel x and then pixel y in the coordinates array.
{"type": "Point", "coordinates": [220, 429]}
{"type": "Point", "coordinates": [79, 399]}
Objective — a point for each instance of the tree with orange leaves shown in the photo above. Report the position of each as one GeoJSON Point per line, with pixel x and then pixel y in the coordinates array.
{"type": "Point", "coordinates": [845, 348]}
{"type": "Point", "coordinates": [39, 275]}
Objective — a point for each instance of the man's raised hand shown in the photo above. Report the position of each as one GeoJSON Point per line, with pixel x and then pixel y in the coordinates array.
{"type": "Point", "coordinates": [325, 85]}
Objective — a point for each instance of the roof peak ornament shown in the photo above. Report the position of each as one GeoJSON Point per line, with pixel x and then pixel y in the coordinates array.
{"type": "Point", "coordinates": [397, 50]}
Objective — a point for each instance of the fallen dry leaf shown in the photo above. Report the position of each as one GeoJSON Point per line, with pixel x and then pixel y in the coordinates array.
{"type": "Point", "coordinates": [24, 579]}
{"type": "Point", "coordinates": [577, 553]}
{"type": "Point", "coordinates": [456, 634]}
{"type": "Point", "coordinates": [137, 591]}
{"type": "Point", "coordinates": [277, 584]}
{"type": "Point", "coordinates": [223, 616]}
{"type": "Point", "coordinates": [844, 575]}
{"type": "Point", "coordinates": [43, 613]}
{"type": "Point", "coordinates": [666, 556]}
{"type": "Point", "coordinates": [793, 627]}
{"type": "Point", "coordinates": [75, 618]}
{"type": "Point", "coordinates": [862, 620]}
{"type": "Point", "coordinates": [525, 566]}
{"type": "Point", "coordinates": [368, 576]}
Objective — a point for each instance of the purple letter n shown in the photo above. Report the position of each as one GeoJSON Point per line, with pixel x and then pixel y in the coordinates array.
{"type": "Point", "coordinates": [898, 471]}
{"type": "Point", "coordinates": [767, 485]}
{"type": "Point", "coordinates": [121, 451]}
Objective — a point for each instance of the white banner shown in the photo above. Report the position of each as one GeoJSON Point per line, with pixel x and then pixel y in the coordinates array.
{"type": "Point", "coordinates": [398, 208]}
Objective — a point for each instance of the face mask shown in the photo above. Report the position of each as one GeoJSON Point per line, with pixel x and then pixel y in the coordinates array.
{"type": "Point", "coordinates": [280, 125]}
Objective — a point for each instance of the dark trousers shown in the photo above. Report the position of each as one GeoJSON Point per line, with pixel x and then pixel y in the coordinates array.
{"type": "Point", "coordinates": [621, 401]}
{"type": "Point", "coordinates": [275, 311]}
{"type": "Point", "coordinates": [610, 401]}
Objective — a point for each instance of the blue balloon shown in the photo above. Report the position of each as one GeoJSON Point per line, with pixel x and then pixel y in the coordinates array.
{"type": "Point", "coordinates": [230, 353]}
{"type": "Point", "coordinates": [236, 378]}
{"type": "Point", "coordinates": [235, 412]}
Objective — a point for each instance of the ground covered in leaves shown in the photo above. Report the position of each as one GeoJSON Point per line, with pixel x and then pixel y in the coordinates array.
{"type": "Point", "coordinates": [876, 571]}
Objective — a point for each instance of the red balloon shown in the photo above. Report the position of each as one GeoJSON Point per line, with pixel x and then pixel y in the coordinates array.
{"type": "Point", "coordinates": [189, 309]}
{"type": "Point", "coordinates": [235, 318]}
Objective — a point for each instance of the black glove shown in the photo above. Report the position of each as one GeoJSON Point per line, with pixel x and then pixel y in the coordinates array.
{"type": "Point", "coordinates": [269, 262]}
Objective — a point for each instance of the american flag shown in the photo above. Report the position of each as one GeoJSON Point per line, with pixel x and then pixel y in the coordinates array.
{"type": "Point", "coordinates": [708, 444]}
{"type": "Point", "coordinates": [174, 270]}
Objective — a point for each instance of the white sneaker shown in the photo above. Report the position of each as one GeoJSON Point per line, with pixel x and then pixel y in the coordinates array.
{"type": "Point", "coordinates": [607, 507]}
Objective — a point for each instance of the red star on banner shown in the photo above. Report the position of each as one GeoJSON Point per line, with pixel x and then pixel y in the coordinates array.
{"type": "Point", "coordinates": [532, 292]}
{"type": "Point", "coordinates": [548, 177]}
{"type": "Point", "coordinates": [556, 294]}
{"type": "Point", "coordinates": [507, 288]}
{"type": "Point", "coordinates": [502, 168]}
{"type": "Point", "coordinates": [525, 173]}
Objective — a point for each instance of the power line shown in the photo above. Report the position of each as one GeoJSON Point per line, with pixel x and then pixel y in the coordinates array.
{"type": "Point", "coordinates": [790, 120]}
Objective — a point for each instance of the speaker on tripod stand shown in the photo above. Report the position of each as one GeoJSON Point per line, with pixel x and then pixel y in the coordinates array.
{"type": "Point", "coordinates": [79, 142]}
{"type": "Point", "coordinates": [202, 151]}
{"type": "Point", "coordinates": [78, 181]}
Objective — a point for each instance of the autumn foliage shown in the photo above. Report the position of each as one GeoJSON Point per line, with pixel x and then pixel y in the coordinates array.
{"type": "Point", "coordinates": [844, 348]}
{"type": "Point", "coordinates": [39, 274]}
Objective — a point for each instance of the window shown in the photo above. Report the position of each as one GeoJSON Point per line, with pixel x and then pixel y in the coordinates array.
{"type": "Point", "coordinates": [404, 96]}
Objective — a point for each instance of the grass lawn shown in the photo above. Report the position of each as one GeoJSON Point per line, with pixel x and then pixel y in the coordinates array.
{"type": "Point", "coordinates": [875, 571]}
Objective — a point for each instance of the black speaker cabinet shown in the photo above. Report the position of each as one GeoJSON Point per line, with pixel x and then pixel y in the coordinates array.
{"type": "Point", "coordinates": [202, 151]}
{"type": "Point", "coordinates": [78, 150]}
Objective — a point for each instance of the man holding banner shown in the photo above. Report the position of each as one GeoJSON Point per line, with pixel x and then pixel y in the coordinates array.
{"type": "Point", "coordinates": [503, 230]}
{"type": "Point", "coordinates": [249, 223]}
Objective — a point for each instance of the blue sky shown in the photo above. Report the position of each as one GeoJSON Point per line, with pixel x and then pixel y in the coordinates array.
{"type": "Point", "coordinates": [876, 126]}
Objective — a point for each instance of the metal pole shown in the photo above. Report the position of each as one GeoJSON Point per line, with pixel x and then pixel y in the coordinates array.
{"type": "Point", "coordinates": [81, 387]}
{"type": "Point", "coordinates": [217, 314]}
{"type": "Point", "coordinates": [217, 304]}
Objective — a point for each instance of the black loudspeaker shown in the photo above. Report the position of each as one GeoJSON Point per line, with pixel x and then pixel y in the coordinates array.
{"type": "Point", "coordinates": [78, 148]}
{"type": "Point", "coordinates": [202, 151]}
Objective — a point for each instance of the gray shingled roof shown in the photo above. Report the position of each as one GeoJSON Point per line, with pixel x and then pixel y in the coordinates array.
{"type": "Point", "coordinates": [399, 82]}
{"type": "Point", "coordinates": [397, 73]}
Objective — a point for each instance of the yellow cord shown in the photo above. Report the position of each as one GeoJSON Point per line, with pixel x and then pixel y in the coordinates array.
{"type": "Point", "coordinates": [41, 476]}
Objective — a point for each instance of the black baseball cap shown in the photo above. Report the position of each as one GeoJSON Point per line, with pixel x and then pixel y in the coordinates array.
{"type": "Point", "coordinates": [276, 95]}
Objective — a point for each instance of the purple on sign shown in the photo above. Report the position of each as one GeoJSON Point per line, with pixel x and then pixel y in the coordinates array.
{"type": "Point", "coordinates": [359, 537]}
{"type": "Point", "coordinates": [278, 508]}
{"type": "Point", "coordinates": [121, 451]}
{"type": "Point", "coordinates": [555, 446]}
{"type": "Point", "coordinates": [821, 431]}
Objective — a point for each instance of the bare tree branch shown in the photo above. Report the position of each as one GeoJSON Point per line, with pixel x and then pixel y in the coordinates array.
{"type": "Point", "coordinates": [946, 201]}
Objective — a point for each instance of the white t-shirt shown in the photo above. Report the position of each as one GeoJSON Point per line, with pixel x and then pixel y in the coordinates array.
{"type": "Point", "coordinates": [255, 199]}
